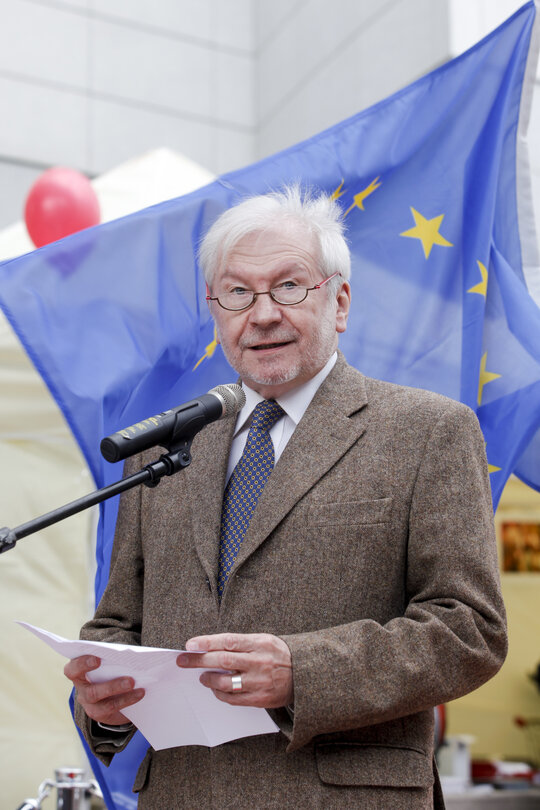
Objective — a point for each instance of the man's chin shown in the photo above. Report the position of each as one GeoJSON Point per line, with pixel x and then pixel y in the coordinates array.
{"type": "Point", "coordinates": [269, 376]}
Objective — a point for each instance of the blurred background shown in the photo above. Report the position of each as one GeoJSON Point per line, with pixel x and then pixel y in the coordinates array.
{"type": "Point", "coordinates": [149, 101]}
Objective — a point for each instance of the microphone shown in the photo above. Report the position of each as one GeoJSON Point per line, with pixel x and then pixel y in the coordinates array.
{"type": "Point", "coordinates": [176, 424]}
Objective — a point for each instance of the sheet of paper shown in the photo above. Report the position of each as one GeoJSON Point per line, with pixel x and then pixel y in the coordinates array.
{"type": "Point", "coordinates": [176, 709]}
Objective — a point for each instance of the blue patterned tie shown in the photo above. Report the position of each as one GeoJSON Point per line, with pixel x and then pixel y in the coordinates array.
{"type": "Point", "coordinates": [245, 485]}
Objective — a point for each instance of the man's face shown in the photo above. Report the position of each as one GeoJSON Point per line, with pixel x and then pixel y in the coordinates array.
{"type": "Point", "coordinates": [274, 347]}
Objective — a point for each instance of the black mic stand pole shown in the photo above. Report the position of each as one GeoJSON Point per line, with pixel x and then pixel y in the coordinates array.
{"type": "Point", "coordinates": [178, 457]}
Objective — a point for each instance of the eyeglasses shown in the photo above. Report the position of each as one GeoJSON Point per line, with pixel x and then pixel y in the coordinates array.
{"type": "Point", "coordinates": [288, 294]}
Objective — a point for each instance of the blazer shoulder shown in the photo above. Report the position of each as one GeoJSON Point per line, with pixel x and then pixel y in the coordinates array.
{"type": "Point", "coordinates": [416, 404]}
{"type": "Point", "coordinates": [390, 401]}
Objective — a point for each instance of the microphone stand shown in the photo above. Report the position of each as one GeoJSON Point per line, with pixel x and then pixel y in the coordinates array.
{"type": "Point", "coordinates": [177, 457]}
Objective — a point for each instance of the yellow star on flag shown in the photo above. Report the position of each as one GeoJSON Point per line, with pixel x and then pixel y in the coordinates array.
{"type": "Point", "coordinates": [491, 467]}
{"type": "Point", "coordinates": [209, 351]}
{"type": "Point", "coordinates": [361, 196]}
{"type": "Point", "coordinates": [481, 287]}
{"type": "Point", "coordinates": [337, 193]}
{"type": "Point", "coordinates": [427, 230]}
{"type": "Point", "coordinates": [485, 377]}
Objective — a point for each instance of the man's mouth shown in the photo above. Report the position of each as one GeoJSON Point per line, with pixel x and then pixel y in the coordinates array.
{"type": "Point", "coordinates": [262, 346]}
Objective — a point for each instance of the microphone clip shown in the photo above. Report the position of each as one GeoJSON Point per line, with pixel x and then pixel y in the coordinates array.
{"type": "Point", "coordinates": [178, 457]}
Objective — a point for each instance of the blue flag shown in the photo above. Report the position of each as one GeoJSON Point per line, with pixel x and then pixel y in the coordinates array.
{"type": "Point", "coordinates": [433, 186]}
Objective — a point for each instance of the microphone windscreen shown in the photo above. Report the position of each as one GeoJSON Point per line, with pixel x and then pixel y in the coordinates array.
{"type": "Point", "coordinates": [233, 396]}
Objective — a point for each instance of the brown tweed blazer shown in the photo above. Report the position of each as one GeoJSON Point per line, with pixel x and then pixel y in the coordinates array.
{"type": "Point", "coordinates": [371, 553]}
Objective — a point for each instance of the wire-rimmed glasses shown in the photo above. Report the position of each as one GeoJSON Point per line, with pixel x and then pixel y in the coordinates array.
{"type": "Point", "coordinates": [288, 294]}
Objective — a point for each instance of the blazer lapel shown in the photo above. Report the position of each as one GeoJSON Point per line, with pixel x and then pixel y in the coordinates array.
{"type": "Point", "coordinates": [322, 437]}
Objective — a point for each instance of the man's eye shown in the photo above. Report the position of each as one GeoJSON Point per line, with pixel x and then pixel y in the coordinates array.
{"type": "Point", "coordinates": [238, 291]}
{"type": "Point", "coordinates": [287, 285]}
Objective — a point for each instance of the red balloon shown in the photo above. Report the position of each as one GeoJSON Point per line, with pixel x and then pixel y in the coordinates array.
{"type": "Point", "coordinates": [61, 201]}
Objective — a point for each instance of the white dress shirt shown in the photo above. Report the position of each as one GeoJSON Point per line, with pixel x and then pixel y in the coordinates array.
{"type": "Point", "coordinates": [294, 403]}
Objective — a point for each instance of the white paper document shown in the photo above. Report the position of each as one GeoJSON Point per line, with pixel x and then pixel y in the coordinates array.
{"type": "Point", "coordinates": [176, 708]}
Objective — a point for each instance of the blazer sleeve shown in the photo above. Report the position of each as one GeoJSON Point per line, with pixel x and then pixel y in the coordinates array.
{"type": "Point", "coordinates": [452, 635]}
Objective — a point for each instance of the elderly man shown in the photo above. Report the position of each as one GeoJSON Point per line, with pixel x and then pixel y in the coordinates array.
{"type": "Point", "coordinates": [333, 549]}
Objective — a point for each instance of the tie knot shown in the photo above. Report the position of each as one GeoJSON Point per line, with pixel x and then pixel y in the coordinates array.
{"type": "Point", "coordinates": [266, 414]}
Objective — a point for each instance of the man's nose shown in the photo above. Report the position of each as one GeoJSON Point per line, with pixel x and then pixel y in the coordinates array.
{"type": "Point", "coordinates": [265, 310]}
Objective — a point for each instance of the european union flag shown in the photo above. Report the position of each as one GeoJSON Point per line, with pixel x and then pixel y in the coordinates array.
{"type": "Point", "coordinates": [433, 187]}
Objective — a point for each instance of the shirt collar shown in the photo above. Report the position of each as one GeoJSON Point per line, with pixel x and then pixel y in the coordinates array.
{"type": "Point", "coordinates": [294, 402]}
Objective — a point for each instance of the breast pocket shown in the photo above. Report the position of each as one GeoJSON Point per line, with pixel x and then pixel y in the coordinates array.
{"type": "Point", "coordinates": [355, 553]}
{"type": "Point", "coordinates": [348, 514]}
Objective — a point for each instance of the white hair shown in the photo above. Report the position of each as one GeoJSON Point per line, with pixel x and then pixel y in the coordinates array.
{"type": "Point", "coordinates": [320, 216]}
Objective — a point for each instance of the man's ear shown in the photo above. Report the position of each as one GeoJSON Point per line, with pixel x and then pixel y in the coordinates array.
{"type": "Point", "coordinates": [343, 300]}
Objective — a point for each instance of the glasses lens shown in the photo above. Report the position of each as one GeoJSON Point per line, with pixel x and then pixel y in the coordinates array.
{"type": "Point", "coordinates": [236, 299]}
{"type": "Point", "coordinates": [289, 294]}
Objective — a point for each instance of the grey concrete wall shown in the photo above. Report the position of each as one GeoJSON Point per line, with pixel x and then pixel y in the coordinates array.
{"type": "Point", "coordinates": [90, 83]}
{"type": "Point", "coordinates": [320, 62]}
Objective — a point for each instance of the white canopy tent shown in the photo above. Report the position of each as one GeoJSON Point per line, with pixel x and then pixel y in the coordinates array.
{"type": "Point", "coordinates": [47, 579]}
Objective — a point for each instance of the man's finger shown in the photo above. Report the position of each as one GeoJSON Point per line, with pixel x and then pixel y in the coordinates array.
{"type": "Point", "coordinates": [235, 642]}
{"type": "Point", "coordinates": [223, 683]}
{"type": "Point", "coordinates": [220, 659]}
{"type": "Point", "coordinates": [77, 668]}
{"type": "Point", "coordinates": [121, 701]}
{"type": "Point", "coordinates": [109, 711]}
{"type": "Point", "coordinates": [96, 692]}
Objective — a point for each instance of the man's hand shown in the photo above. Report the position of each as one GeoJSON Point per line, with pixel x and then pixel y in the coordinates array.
{"type": "Point", "coordinates": [262, 661]}
{"type": "Point", "coordinates": [101, 701]}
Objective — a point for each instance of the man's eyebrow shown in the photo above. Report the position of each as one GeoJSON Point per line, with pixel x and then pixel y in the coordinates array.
{"type": "Point", "coordinates": [291, 269]}
{"type": "Point", "coordinates": [230, 276]}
